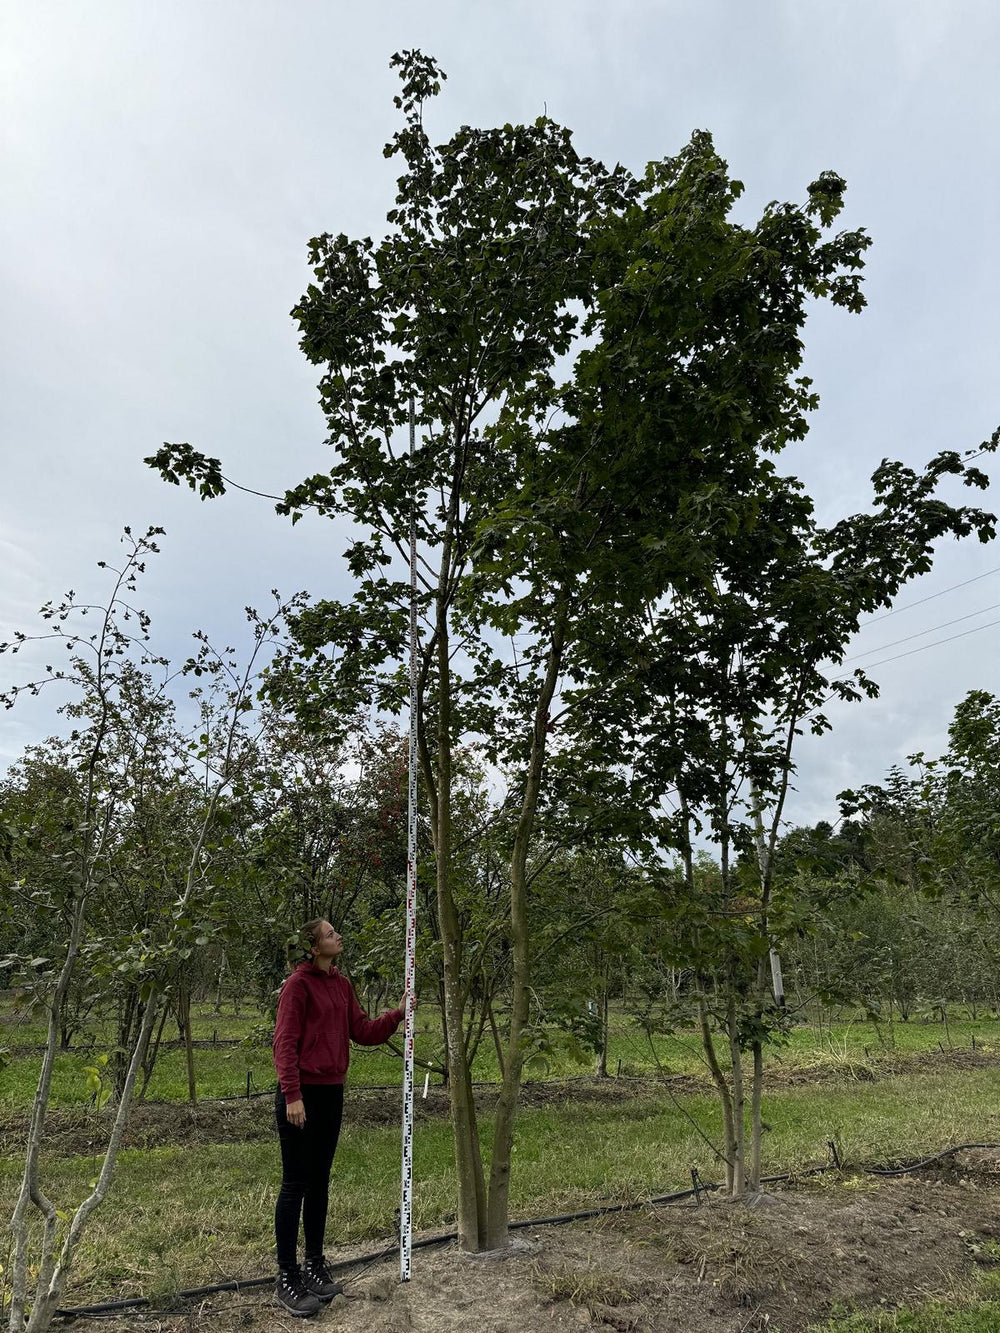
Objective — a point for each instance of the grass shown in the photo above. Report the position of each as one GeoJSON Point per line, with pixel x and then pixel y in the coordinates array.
{"type": "Point", "coordinates": [183, 1216]}
{"type": "Point", "coordinates": [592, 1287]}
{"type": "Point", "coordinates": [222, 1071]}
{"type": "Point", "coordinates": [980, 1313]}
{"type": "Point", "coordinates": [219, 1071]}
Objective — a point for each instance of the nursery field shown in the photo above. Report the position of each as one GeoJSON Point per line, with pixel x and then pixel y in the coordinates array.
{"type": "Point", "coordinates": [229, 1047]}
{"type": "Point", "coordinates": [193, 1196]}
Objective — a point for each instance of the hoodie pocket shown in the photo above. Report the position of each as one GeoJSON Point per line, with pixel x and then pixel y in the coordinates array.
{"type": "Point", "coordinates": [322, 1057]}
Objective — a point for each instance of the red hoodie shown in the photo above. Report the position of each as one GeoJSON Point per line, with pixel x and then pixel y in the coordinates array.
{"type": "Point", "coordinates": [318, 1017]}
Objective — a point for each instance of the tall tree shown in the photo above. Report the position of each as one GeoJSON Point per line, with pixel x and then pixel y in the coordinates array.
{"type": "Point", "coordinates": [728, 676]}
{"type": "Point", "coordinates": [549, 518]}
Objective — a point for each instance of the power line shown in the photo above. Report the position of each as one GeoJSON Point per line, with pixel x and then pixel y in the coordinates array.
{"type": "Point", "coordinates": [909, 653]}
{"type": "Point", "coordinates": [938, 642]}
{"type": "Point", "coordinates": [919, 635]}
{"type": "Point", "coordinates": [934, 595]}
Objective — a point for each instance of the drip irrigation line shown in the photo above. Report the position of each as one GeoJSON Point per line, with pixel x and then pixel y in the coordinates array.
{"type": "Point", "coordinates": [230, 1097]}
{"type": "Point", "coordinates": [928, 1161]}
{"type": "Point", "coordinates": [559, 1219]}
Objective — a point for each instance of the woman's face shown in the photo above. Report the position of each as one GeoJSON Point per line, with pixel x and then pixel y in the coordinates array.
{"type": "Point", "coordinates": [328, 943]}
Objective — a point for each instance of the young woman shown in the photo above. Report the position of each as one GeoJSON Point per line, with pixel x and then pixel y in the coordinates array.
{"type": "Point", "coordinates": [318, 1018]}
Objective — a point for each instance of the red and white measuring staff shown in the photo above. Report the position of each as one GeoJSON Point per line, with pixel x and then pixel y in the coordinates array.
{"type": "Point", "coordinates": [406, 1190]}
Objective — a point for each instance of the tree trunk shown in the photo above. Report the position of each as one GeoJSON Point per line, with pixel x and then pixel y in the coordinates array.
{"type": "Point", "coordinates": [69, 1021]}
{"type": "Point", "coordinates": [496, 1038]}
{"type": "Point", "coordinates": [53, 1275]}
{"type": "Point", "coordinates": [738, 1144]}
{"type": "Point", "coordinates": [758, 1127]}
{"type": "Point", "coordinates": [722, 1088]}
{"type": "Point", "coordinates": [30, 1191]}
{"type": "Point", "coordinates": [772, 962]}
{"type": "Point", "coordinates": [444, 1029]}
{"type": "Point", "coordinates": [184, 1023]}
{"type": "Point", "coordinates": [506, 1112]}
{"type": "Point", "coordinates": [474, 1030]}
{"type": "Point", "coordinates": [218, 983]}
{"type": "Point", "coordinates": [602, 1062]}
{"type": "Point", "coordinates": [149, 1060]}
{"type": "Point", "coordinates": [465, 1128]}
{"type": "Point", "coordinates": [128, 1010]}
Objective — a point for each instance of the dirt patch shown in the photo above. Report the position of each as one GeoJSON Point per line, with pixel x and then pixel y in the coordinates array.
{"type": "Point", "coordinates": [76, 1131]}
{"type": "Point", "coordinates": [880, 1065]}
{"type": "Point", "coordinates": [712, 1268]}
{"type": "Point", "coordinates": [79, 1132]}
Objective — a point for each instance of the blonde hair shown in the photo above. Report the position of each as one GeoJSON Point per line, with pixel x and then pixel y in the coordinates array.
{"type": "Point", "coordinates": [303, 941]}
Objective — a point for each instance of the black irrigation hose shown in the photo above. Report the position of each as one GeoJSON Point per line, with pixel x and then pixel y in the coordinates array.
{"type": "Point", "coordinates": [424, 1243]}
{"type": "Point", "coordinates": [559, 1219]}
{"type": "Point", "coordinates": [928, 1161]}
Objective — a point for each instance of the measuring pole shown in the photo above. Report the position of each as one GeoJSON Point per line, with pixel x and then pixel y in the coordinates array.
{"type": "Point", "coordinates": [406, 1189]}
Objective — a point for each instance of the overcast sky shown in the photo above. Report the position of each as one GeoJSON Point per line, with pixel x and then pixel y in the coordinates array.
{"type": "Point", "coordinates": [165, 164]}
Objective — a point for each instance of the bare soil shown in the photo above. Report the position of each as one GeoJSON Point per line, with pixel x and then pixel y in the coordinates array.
{"type": "Point", "coordinates": [717, 1267]}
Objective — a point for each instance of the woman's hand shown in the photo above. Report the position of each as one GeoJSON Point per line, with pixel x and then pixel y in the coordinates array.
{"type": "Point", "coordinates": [408, 996]}
{"type": "Point", "coordinates": [295, 1113]}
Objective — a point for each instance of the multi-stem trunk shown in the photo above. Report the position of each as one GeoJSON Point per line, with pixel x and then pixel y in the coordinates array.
{"type": "Point", "coordinates": [149, 1060]}
{"type": "Point", "coordinates": [30, 1192]}
{"type": "Point", "coordinates": [128, 1008]}
{"type": "Point", "coordinates": [53, 1272]}
{"type": "Point", "coordinates": [506, 1112]}
{"type": "Point", "coordinates": [465, 1128]}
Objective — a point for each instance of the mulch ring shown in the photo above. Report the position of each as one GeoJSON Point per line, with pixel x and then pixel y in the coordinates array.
{"type": "Point", "coordinates": [783, 1264]}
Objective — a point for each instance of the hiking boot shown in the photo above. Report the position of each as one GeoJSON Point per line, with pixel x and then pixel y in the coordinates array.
{"type": "Point", "coordinates": [293, 1295]}
{"type": "Point", "coordinates": [318, 1279]}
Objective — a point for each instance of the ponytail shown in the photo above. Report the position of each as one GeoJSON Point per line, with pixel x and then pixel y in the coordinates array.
{"type": "Point", "coordinates": [300, 944]}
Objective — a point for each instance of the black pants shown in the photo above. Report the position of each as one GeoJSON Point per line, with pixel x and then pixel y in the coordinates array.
{"type": "Point", "coordinates": [306, 1159]}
